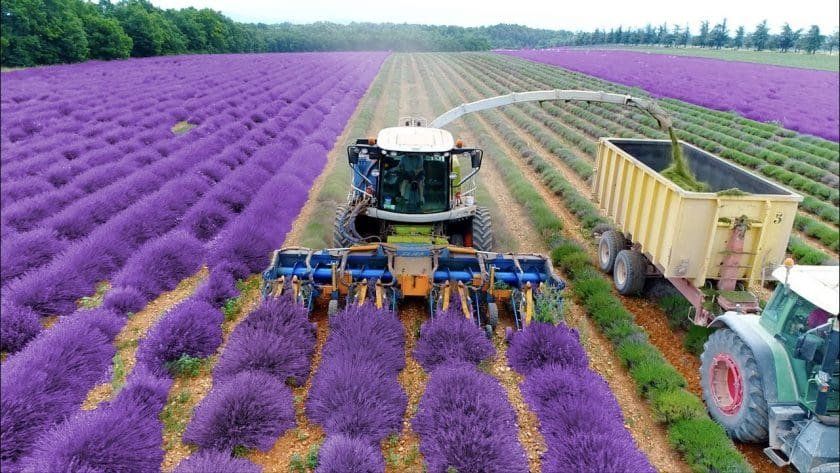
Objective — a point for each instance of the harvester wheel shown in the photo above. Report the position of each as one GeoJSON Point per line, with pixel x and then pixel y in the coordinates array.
{"type": "Point", "coordinates": [482, 230]}
{"type": "Point", "coordinates": [340, 239]}
{"type": "Point", "coordinates": [492, 314]}
{"type": "Point", "coordinates": [629, 272]}
{"type": "Point", "coordinates": [488, 331]}
{"type": "Point", "coordinates": [608, 247]}
{"type": "Point", "coordinates": [332, 307]}
{"type": "Point", "coordinates": [732, 387]}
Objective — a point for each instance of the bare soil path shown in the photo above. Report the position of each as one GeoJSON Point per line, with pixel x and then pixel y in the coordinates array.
{"type": "Point", "coordinates": [134, 330]}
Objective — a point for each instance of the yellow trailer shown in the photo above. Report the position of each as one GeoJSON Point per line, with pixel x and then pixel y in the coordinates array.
{"type": "Point", "coordinates": [690, 238]}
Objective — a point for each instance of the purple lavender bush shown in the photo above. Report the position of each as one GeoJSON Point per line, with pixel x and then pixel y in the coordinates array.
{"type": "Point", "coordinates": [541, 344]}
{"type": "Point", "coordinates": [465, 422]}
{"type": "Point", "coordinates": [48, 380]}
{"type": "Point", "coordinates": [161, 264]}
{"type": "Point", "coordinates": [23, 252]}
{"type": "Point", "coordinates": [249, 410]}
{"type": "Point", "coordinates": [123, 435]}
{"type": "Point", "coordinates": [191, 328]}
{"type": "Point", "coordinates": [217, 288]}
{"type": "Point", "coordinates": [276, 339]}
{"type": "Point", "coordinates": [341, 454]}
{"type": "Point", "coordinates": [367, 334]}
{"type": "Point", "coordinates": [449, 336]}
{"type": "Point", "coordinates": [595, 452]}
{"type": "Point", "coordinates": [211, 461]}
{"type": "Point", "coordinates": [18, 325]}
{"type": "Point", "coordinates": [357, 399]}
{"type": "Point", "coordinates": [124, 300]}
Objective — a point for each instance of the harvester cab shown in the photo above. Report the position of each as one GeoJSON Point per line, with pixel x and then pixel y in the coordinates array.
{"type": "Point", "coordinates": [775, 378]}
{"type": "Point", "coordinates": [408, 187]}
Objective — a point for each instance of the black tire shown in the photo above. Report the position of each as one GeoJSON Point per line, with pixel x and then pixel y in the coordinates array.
{"type": "Point", "coordinates": [482, 230]}
{"type": "Point", "coordinates": [629, 272]}
{"type": "Point", "coordinates": [747, 420]}
{"type": "Point", "coordinates": [340, 238]}
{"type": "Point", "coordinates": [493, 314]}
{"type": "Point", "coordinates": [609, 245]}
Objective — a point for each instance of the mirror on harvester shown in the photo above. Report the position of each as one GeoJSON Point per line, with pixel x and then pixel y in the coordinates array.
{"type": "Point", "coordinates": [475, 158]}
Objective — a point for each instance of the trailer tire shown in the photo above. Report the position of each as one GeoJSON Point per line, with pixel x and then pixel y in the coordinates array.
{"type": "Point", "coordinates": [732, 387]}
{"type": "Point", "coordinates": [609, 245]}
{"type": "Point", "coordinates": [340, 238]}
{"type": "Point", "coordinates": [629, 272]}
{"type": "Point", "coordinates": [600, 229]}
{"type": "Point", "coordinates": [482, 228]}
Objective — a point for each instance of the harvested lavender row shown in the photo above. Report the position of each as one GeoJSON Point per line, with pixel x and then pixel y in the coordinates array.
{"type": "Point", "coordinates": [250, 404]}
{"type": "Point", "coordinates": [464, 420]}
{"type": "Point", "coordinates": [355, 395]}
{"type": "Point", "coordinates": [556, 373]}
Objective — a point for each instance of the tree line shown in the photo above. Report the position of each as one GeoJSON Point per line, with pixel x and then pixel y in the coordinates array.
{"type": "Point", "coordinates": [35, 32]}
{"type": "Point", "coordinates": [716, 36]}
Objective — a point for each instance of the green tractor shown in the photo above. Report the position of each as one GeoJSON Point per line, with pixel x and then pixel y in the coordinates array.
{"type": "Point", "coordinates": [773, 379]}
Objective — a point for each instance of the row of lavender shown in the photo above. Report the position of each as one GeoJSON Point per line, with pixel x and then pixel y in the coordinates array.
{"type": "Point", "coordinates": [355, 396]}
{"type": "Point", "coordinates": [46, 382]}
{"type": "Point", "coordinates": [193, 193]}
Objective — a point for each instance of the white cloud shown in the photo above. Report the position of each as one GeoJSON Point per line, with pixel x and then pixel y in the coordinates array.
{"type": "Point", "coordinates": [570, 15]}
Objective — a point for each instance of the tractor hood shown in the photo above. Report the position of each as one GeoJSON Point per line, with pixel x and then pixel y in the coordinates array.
{"type": "Point", "coordinates": [415, 138]}
{"type": "Point", "coordinates": [817, 284]}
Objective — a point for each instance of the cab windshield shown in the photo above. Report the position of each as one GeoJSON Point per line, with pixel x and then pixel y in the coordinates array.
{"type": "Point", "coordinates": [414, 183]}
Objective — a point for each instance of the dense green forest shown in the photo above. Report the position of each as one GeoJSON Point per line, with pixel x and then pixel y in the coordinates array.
{"type": "Point", "coordinates": [63, 31]}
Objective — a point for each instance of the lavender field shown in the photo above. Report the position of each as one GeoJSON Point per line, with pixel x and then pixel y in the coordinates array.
{"type": "Point", "coordinates": [799, 99]}
{"type": "Point", "coordinates": [139, 173]}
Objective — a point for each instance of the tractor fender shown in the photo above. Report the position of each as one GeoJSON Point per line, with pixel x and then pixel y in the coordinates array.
{"type": "Point", "coordinates": [776, 372]}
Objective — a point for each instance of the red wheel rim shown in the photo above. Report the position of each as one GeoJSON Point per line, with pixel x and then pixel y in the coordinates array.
{"type": "Point", "coordinates": [727, 384]}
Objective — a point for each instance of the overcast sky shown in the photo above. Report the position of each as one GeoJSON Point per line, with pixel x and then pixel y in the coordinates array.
{"type": "Point", "coordinates": [552, 14]}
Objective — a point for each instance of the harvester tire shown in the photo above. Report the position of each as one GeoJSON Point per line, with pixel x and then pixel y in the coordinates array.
{"type": "Point", "coordinates": [609, 245]}
{"type": "Point", "coordinates": [732, 387]}
{"type": "Point", "coordinates": [492, 314]}
{"type": "Point", "coordinates": [482, 228]}
{"type": "Point", "coordinates": [629, 272]}
{"type": "Point", "coordinates": [340, 238]}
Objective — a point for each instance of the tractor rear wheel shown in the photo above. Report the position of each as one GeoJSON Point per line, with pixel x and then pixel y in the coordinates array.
{"type": "Point", "coordinates": [732, 387]}
{"type": "Point", "coordinates": [482, 230]}
{"type": "Point", "coordinates": [340, 238]}
{"type": "Point", "coordinates": [609, 245]}
{"type": "Point", "coordinates": [629, 272]}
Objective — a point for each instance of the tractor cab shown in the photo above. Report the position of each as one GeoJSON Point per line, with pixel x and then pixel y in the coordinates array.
{"type": "Point", "coordinates": [800, 315]}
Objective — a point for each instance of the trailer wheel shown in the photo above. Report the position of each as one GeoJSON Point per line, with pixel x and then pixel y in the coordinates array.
{"type": "Point", "coordinates": [732, 387]}
{"type": "Point", "coordinates": [482, 229]}
{"type": "Point", "coordinates": [629, 272]}
{"type": "Point", "coordinates": [340, 238]}
{"type": "Point", "coordinates": [609, 245]}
